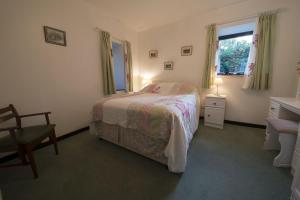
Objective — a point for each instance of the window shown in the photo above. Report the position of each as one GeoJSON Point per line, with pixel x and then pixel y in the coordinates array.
{"type": "Point", "coordinates": [119, 65]}
{"type": "Point", "coordinates": [234, 48]}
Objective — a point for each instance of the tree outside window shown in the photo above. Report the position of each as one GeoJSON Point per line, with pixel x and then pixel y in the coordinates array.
{"type": "Point", "coordinates": [233, 54]}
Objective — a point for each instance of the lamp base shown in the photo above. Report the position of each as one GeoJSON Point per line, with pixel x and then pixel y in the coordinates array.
{"type": "Point", "coordinates": [218, 90]}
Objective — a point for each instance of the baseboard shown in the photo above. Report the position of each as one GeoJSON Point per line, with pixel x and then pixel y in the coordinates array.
{"type": "Point", "coordinates": [72, 133]}
{"type": "Point", "coordinates": [243, 124]}
{"type": "Point", "coordinates": [15, 155]}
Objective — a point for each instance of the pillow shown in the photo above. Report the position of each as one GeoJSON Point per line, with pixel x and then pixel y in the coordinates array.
{"type": "Point", "coordinates": [165, 88]}
{"type": "Point", "coordinates": [151, 88]}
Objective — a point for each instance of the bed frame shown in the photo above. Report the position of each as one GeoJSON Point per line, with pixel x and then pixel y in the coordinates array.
{"type": "Point", "coordinates": [133, 140]}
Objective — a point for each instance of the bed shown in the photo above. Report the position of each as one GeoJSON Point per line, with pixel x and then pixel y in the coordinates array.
{"type": "Point", "coordinates": [157, 122]}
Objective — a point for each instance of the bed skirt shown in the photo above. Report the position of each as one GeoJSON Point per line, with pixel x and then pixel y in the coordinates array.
{"type": "Point", "coordinates": [131, 139]}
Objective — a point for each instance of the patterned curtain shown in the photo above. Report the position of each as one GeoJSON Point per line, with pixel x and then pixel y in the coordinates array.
{"type": "Point", "coordinates": [128, 63]}
{"type": "Point", "coordinates": [260, 73]}
{"type": "Point", "coordinates": [251, 59]}
{"type": "Point", "coordinates": [107, 64]}
{"type": "Point", "coordinates": [210, 65]}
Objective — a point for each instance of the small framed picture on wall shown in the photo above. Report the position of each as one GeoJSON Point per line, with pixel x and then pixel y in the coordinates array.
{"type": "Point", "coordinates": [55, 36]}
{"type": "Point", "coordinates": [153, 53]}
{"type": "Point", "coordinates": [186, 50]}
{"type": "Point", "coordinates": [168, 65]}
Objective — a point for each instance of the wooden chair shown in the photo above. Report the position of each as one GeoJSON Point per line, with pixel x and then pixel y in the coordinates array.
{"type": "Point", "coordinates": [25, 139]}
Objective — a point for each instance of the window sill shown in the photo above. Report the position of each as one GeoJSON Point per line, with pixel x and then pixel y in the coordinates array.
{"type": "Point", "coordinates": [238, 75]}
{"type": "Point", "coordinates": [121, 91]}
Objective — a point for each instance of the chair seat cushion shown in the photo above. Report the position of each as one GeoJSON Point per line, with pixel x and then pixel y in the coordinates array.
{"type": "Point", "coordinates": [33, 133]}
{"type": "Point", "coordinates": [27, 135]}
{"type": "Point", "coordinates": [284, 126]}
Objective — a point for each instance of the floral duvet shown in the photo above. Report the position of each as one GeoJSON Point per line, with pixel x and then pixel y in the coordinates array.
{"type": "Point", "coordinates": [169, 111]}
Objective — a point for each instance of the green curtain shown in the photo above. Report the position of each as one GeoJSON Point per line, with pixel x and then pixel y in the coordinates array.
{"type": "Point", "coordinates": [107, 65]}
{"type": "Point", "coordinates": [209, 67]}
{"type": "Point", "coordinates": [261, 76]}
{"type": "Point", "coordinates": [129, 72]}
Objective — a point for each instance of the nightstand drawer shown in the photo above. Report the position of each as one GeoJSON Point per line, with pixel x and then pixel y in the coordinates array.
{"type": "Point", "coordinates": [215, 102]}
{"type": "Point", "coordinates": [214, 115]}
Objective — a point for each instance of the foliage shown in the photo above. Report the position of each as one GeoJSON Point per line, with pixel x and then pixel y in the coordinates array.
{"type": "Point", "coordinates": [233, 56]}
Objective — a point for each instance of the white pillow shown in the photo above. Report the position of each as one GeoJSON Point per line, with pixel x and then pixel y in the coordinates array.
{"type": "Point", "coordinates": [164, 88]}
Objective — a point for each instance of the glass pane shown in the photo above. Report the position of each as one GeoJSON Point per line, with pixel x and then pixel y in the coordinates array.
{"type": "Point", "coordinates": [233, 55]}
{"type": "Point", "coordinates": [119, 66]}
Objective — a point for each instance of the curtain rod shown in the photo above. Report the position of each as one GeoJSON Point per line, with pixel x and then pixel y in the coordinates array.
{"type": "Point", "coordinates": [113, 37]}
{"type": "Point", "coordinates": [247, 17]}
{"type": "Point", "coordinates": [236, 20]}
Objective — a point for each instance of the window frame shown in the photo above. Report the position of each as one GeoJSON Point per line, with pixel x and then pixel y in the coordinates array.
{"type": "Point", "coordinates": [235, 35]}
{"type": "Point", "coordinates": [232, 36]}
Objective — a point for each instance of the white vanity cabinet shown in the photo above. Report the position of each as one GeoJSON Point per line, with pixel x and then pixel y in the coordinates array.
{"type": "Point", "coordinates": [288, 108]}
{"type": "Point", "coordinates": [284, 108]}
{"type": "Point", "coordinates": [296, 156]}
{"type": "Point", "coordinates": [296, 170]}
{"type": "Point", "coordinates": [296, 184]}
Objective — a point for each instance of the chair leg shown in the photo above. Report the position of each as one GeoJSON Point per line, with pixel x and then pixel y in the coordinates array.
{"type": "Point", "coordinates": [284, 158]}
{"type": "Point", "coordinates": [53, 140]}
{"type": "Point", "coordinates": [22, 154]}
{"type": "Point", "coordinates": [29, 152]}
{"type": "Point", "coordinates": [271, 141]}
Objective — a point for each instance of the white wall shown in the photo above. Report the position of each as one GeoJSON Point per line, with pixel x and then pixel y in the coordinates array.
{"type": "Point", "coordinates": [36, 76]}
{"type": "Point", "coordinates": [243, 106]}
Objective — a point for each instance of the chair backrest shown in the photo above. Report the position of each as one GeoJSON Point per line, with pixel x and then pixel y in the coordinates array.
{"type": "Point", "coordinates": [9, 113]}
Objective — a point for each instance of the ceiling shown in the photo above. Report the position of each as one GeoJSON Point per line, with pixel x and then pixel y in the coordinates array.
{"type": "Point", "coordinates": [141, 15]}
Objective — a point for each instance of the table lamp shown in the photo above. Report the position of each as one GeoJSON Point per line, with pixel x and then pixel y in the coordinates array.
{"type": "Point", "coordinates": [218, 81]}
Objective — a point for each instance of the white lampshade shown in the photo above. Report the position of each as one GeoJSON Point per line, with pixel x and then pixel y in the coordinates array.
{"type": "Point", "coordinates": [218, 81]}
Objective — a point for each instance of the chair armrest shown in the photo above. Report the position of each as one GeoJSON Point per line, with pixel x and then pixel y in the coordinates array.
{"type": "Point", "coordinates": [34, 114]}
{"type": "Point", "coordinates": [37, 114]}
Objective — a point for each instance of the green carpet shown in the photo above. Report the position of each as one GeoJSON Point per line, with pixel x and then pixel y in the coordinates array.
{"type": "Point", "coordinates": [226, 164]}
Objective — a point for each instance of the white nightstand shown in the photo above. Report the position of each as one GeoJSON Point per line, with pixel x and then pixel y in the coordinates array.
{"type": "Point", "coordinates": [214, 110]}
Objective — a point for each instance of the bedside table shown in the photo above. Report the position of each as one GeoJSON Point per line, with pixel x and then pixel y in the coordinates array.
{"type": "Point", "coordinates": [214, 110]}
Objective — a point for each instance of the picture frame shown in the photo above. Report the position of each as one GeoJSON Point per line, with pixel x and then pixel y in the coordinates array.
{"type": "Point", "coordinates": [186, 50]}
{"type": "Point", "coordinates": [168, 65]}
{"type": "Point", "coordinates": [55, 36]}
{"type": "Point", "coordinates": [153, 53]}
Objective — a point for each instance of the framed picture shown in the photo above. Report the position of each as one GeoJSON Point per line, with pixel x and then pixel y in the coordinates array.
{"type": "Point", "coordinates": [186, 50]}
{"type": "Point", "coordinates": [153, 53]}
{"type": "Point", "coordinates": [168, 65]}
{"type": "Point", "coordinates": [55, 36]}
